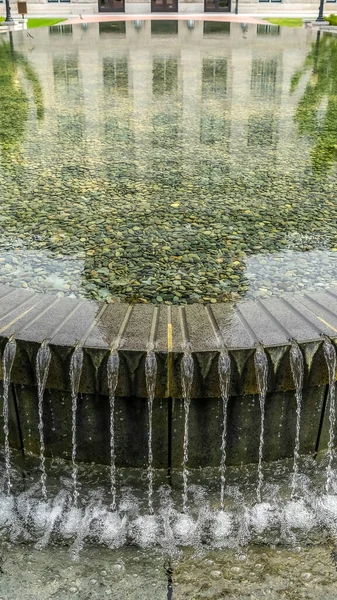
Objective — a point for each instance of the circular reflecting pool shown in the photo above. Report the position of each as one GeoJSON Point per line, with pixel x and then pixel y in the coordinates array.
{"type": "Point", "coordinates": [159, 162]}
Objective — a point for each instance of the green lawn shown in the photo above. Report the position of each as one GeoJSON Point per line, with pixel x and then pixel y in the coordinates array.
{"type": "Point", "coordinates": [33, 23]}
{"type": "Point", "coordinates": [286, 22]}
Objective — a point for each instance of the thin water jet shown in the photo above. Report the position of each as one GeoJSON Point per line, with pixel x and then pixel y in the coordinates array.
{"type": "Point", "coordinates": [56, 511]}
{"type": "Point", "coordinates": [224, 370]}
{"type": "Point", "coordinates": [112, 373]}
{"type": "Point", "coordinates": [261, 372]}
{"type": "Point", "coordinates": [187, 369]}
{"type": "Point", "coordinates": [43, 359]}
{"type": "Point", "coordinates": [151, 378]}
{"type": "Point", "coordinates": [330, 359]}
{"type": "Point", "coordinates": [76, 365]}
{"type": "Point", "coordinates": [93, 511]}
{"type": "Point", "coordinates": [7, 364]}
{"type": "Point", "coordinates": [297, 369]}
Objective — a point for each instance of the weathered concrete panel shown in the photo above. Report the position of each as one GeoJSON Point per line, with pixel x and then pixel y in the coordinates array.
{"type": "Point", "coordinates": [243, 430]}
{"type": "Point", "coordinates": [93, 428]}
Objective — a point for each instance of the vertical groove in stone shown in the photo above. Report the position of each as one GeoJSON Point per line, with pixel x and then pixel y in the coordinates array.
{"type": "Point", "coordinates": [40, 315]}
{"type": "Point", "coordinates": [215, 326]}
{"type": "Point", "coordinates": [184, 328]}
{"type": "Point", "coordinates": [92, 325]}
{"type": "Point", "coordinates": [320, 306]}
{"type": "Point", "coordinates": [275, 320]}
{"type": "Point", "coordinates": [331, 293]}
{"type": "Point", "coordinates": [64, 321]}
{"type": "Point", "coordinates": [16, 308]}
{"type": "Point", "coordinates": [116, 342]}
{"type": "Point", "coordinates": [7, 293]}
{"type": "Point", "coordinates": [21, 315]}
{"type": "Point", "coordinates": [301, 315]}
{"type": "Point", "coordinates": [313, 313]}
{"type": "Point", "coordinates": [154, 328]}
{"type": "Point", "coordinates": [246, 325]}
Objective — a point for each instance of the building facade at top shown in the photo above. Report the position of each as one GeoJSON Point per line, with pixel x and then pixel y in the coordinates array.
{"type": "Point", "coordinates": [138, 7]}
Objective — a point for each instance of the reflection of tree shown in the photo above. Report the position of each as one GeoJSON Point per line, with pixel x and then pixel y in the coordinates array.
{"type": "Point", "coordinates": [14, 103]}
{"type": "Point", "coordinates": [320, 125]}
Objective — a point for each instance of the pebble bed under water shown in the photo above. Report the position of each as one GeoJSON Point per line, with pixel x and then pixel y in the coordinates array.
{"type": "Point", "coordinates": [170, 164]}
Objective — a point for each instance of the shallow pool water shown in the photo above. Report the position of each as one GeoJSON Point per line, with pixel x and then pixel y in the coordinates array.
{"type": "Point", "coordinates": [168, 161]}
{"type": "Point", "coordinates": [279, 548]}
{"type": "Point", "coordinates": [252, 574]}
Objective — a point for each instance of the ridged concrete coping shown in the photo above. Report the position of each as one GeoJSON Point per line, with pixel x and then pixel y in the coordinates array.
{"type": "Point", "coordinates": [169, 331]}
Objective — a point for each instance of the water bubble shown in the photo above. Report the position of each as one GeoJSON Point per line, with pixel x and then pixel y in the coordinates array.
{"type": "Point", "coordinates": [216, 573]}
{"type": "Point", "coordinates": [235, 570]}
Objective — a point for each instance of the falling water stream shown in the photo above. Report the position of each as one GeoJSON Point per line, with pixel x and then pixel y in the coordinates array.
{"type": "Point", "coordinates": [151, 378]}
{"type": "Point", "coordinates": [330, 358]}
{"type": "Point", "coordinates": [224, 369]}
{"type": "Point", "coordinates": [7, 364]}
{"type": "Point", "coordinates": [261, 371]}
{"type": "Point", "coordinates": [187, 368]}
{"type": "Point", "coordinates": [75, 376]}
{"type": "Point", "coordinates": [43, 359]}
{"type": "Point", "coordinates": [297, 369]}
{"type": "Point", "coordinates": [93, 521]}
{"type": "Point", "coordinates": [112, 372]}
{"type": "Point", "coordinates": [56, 510]}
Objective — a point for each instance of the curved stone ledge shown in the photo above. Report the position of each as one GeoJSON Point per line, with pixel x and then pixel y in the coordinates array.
{"type": "Point", "coordinates": [170, 331]}
{"type": "Point", "coordinates": [203, 330]}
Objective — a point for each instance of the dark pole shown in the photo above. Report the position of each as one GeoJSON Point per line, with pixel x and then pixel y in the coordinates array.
{"type": "Point", "coordinates": [11, 44]}
{"type": "Point", "coordinates": [320, 13]}
{"type": "Point", "coordinates": [236, 7]}
{"type": "Point", "coordinates": [9, 18]}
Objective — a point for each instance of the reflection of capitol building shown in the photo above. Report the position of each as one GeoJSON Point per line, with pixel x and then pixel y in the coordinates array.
{"type": "Point", "coordinates": [143, 118]}
{"type": "Point", "coordinates": [163, 87]}
{"type": "Point", "coordinates": [174, 6]}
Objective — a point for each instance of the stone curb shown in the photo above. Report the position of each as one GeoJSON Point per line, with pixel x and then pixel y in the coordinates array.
{"type": "Point", "coordinates": [169, 331]}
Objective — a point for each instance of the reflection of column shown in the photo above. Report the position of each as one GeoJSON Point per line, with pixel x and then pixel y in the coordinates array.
{"type": "Point", "coordinates": [191, 75]}
{"type": "Point", "coordinates": [241, 60]}
{"type": "Point", "coordinates": [90, 72]}
{"type": "Point", "coordinates": [288, 129]}
{"type": "Point", "coordinates": [166, 114]}
{"type": "Point", "coordinates": [140, 69]}
{"type": "Point", "coordinates": [40, 132]}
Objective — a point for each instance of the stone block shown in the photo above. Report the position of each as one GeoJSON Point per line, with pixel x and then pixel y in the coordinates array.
{"type": "Point", "coordinates": [243, 428]}
{"type": "Point", "coordinates": [93, 427]}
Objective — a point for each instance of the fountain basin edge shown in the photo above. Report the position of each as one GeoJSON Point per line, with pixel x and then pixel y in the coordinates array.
{"type": "Point", "coordinates": [168, 330]}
